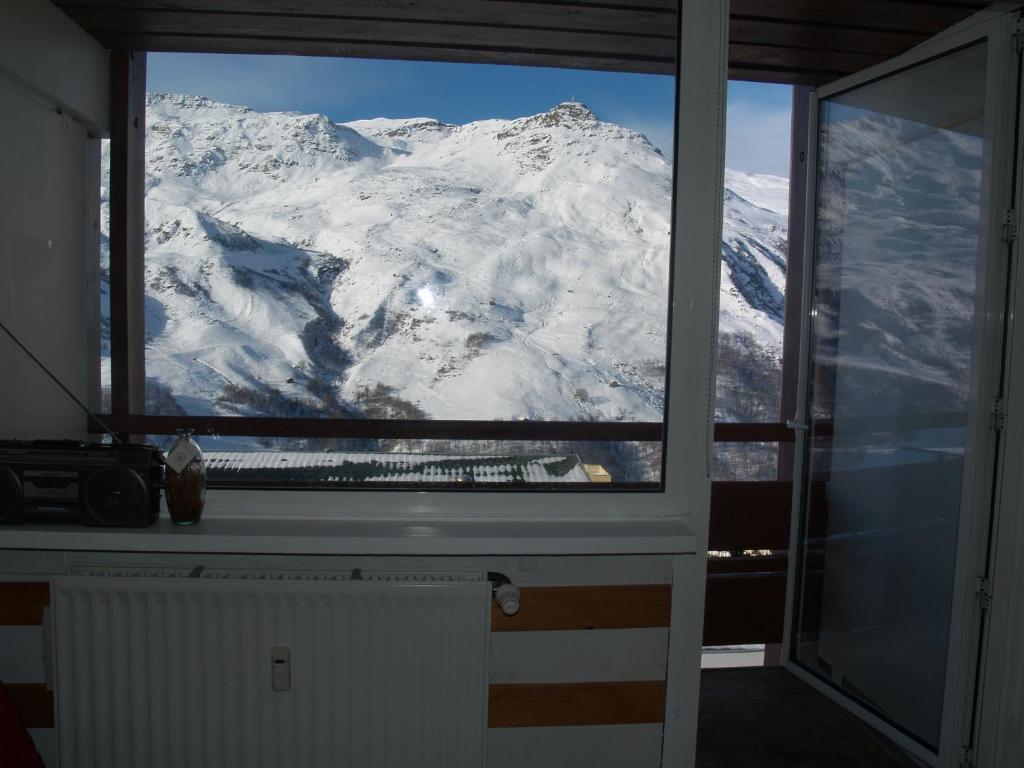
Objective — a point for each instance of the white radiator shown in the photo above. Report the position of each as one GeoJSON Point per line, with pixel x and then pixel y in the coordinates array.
{"type": "Point", "coordinates": [165, 668]}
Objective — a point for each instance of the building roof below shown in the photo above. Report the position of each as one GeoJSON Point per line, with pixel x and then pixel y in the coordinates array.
{"type": "Point", "coordinates": [311, 467]}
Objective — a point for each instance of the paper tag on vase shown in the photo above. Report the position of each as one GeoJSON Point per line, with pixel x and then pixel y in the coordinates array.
{"type": "Point", "coordinates": [183, 452]}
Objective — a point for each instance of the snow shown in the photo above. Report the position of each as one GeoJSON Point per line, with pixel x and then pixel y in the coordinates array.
{"type": "Point", "coordinates": [766, 191]}
{"type": "Point", "coordinates": [501, 269]}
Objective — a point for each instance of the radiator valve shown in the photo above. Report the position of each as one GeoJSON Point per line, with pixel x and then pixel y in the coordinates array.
{"type": "Point", "coordinates": [507, 597]}
{"type": "Point", "coordinates": [506, 594]}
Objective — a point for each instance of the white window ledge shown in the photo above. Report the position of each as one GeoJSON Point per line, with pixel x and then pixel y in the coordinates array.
{"type": "Point", "coordinates": [362, 537]}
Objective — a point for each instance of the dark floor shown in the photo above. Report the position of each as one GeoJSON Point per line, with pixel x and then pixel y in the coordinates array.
{"type": "Point", "coordinates": [764, 717]}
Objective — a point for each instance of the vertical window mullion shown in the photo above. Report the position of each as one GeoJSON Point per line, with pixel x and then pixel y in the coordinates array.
{"type": "Point", "coordinates": [127, 224]}
{"type": "Point", "coordinates": [798, 171]}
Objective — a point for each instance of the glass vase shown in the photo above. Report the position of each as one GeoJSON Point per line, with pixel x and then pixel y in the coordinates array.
{"type": "Point", "coordinates": [185, 488]}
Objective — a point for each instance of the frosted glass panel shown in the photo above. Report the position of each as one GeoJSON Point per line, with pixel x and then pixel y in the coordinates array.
{"type": "Point", "coordinates": [897, 251]}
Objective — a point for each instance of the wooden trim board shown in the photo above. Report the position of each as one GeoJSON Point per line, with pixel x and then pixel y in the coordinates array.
{"type": "Point", "coordinates": [607, 607]}
{"type": "Point", "coordinates": [22, 603]}
{"type": "Point", "coordinates": [559, 704]}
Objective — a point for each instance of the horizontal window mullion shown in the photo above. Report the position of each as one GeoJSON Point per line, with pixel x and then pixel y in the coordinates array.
{"type": "Point", "coordinates": [391, 429]}
{"type": "Point", "coordinates": [219, 483]}
{"type": "Point", "coordinates": [395, 429]}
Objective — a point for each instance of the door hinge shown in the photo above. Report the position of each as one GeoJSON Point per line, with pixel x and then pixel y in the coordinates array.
{"type": "Point", "coordinates": [1011, 229]}
{"type": "Point", "coordinates": [999, 414]}
{"type": "Point", "coordinates": [1018, 37]}
{"type": "Point", "coordinates": [984, 590]}
{"type": "Point", "coordinates": [966, 758]}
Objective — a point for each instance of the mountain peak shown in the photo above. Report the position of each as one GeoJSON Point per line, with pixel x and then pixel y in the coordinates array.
{"type": "Point", "coordinates": [571, 112]}
{"type": "Point", "coordinates": [568, 114]}
{"type": "Point", "coordinates": [573, 107]}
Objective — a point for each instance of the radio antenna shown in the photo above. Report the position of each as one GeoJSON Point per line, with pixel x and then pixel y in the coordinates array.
{"type": "Point", "coordinates": [59, 383]}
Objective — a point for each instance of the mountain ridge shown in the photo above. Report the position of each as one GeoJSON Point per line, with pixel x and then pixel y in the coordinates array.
{"type": "Point", "coordinates": [501, 269]}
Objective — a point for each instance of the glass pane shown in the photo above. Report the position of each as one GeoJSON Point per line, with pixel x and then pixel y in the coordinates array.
{"type": "Point", "coordinates": [104, 361]}
{"type": "Point", "coordinates": [349, 462]}
{"type": "Point", "coordinates": [755, 223]}
{"type": "Point", "coordinates": [471, 242]}
{"type": "Point", "coordinates": [897, 251]}
{"type": "Point", "coordinates": [745, 461]}
{"type": "Point", "coordinates": [755, 242]}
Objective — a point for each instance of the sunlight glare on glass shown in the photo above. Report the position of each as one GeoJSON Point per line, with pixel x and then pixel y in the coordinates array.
{"type": "Point", "coordinates": [426, 297]}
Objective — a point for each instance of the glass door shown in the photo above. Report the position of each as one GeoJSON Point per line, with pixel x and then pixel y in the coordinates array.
{"type": "Point", "coordinates": [899, 373]}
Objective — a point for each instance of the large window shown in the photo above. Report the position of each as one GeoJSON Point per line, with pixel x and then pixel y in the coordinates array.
{"type": "Point", "coordinates": [490, 280]}
{"type": "Point", "coordinates": [492, 283]}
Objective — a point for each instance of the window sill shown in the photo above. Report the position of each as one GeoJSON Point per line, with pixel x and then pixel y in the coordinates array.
{"type": "Point", "coordinates": [360, 537]}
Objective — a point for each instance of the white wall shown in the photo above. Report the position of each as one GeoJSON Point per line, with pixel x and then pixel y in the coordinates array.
{"type": "Point", "coordinates": [47, 54]}
{"type": "Point", "coordinates": [54, 86]}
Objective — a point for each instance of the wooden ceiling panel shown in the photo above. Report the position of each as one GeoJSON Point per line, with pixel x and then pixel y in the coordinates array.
{"type": "Point", "coordinates": [647, 19]}
{"type": "Point", "coordinates": [415, 52]}
{"type": "Point", "coordinates": [789, 41]}
{"type": "Point", "coordinates": [442, 35]}
{"type": "Point", "coordinates": [921, 17]}
{"type": "Point", "coordinates": [745, 31]}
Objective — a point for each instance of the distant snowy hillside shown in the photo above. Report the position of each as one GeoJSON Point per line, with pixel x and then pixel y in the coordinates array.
{"type": "Point", "coordinates": [502, 269]}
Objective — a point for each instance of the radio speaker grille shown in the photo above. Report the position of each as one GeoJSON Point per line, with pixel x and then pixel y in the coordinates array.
{"type": "Point", "coordinates": [113, 496]}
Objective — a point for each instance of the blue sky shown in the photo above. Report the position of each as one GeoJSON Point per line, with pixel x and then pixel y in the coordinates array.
{"type": "Point", "coordinates": [350, 89]}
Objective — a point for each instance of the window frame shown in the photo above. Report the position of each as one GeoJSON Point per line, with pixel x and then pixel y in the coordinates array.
{"type": "Point", "coordinates": [686, 433]}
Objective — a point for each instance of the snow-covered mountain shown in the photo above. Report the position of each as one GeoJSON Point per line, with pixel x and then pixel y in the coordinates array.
{"type": "Point", "coordinates": [502, 269]}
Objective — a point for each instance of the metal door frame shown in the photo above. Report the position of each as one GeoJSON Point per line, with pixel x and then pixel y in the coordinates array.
{"type": "Point", "coordinates": [1002, 664]}
{"type": "Point", "coordinates": [999, 134]}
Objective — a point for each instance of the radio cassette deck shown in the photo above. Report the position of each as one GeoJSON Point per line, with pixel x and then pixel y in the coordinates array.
{"type": "Point", "coordinates": [83, 483]}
